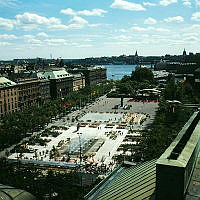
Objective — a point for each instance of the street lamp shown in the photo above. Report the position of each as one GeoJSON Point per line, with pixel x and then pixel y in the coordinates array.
{"type": "Point", "coordinates": [79, 136]}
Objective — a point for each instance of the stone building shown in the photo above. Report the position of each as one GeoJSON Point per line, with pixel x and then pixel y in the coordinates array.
{"type": "Point", "coordinates": [78, 81]}
{"type": "Point", "coordinates": [93, 75]}
{"type": "Point", "coordinates": [29, 92]}
{"type": "Point", "coordinates": [8, 96]}
{"type": "Point", "coordinates": [61, 82]}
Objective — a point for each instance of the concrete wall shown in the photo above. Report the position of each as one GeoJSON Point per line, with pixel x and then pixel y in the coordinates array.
{"type": "Point", "coordinates": [173, 175]}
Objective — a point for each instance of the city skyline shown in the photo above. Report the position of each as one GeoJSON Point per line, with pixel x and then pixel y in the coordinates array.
{"type": "Point", "coordinates": [77, 29]}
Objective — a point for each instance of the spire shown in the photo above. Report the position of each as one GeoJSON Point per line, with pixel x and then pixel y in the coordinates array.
{"type": "Point", "coordinates": [136, 54]}
{"type": "Point", "coordinates": [184, 52]}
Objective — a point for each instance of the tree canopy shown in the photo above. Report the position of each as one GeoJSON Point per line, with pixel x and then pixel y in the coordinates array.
{"type": "Point", "coordinates": [142, 74]}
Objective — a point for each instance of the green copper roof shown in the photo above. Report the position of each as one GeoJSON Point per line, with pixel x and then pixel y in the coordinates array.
{"type": "Point", "coordinates": [10, 193]}
{"type": "Point", "coordinates": [197, 70]}
{"type": "Point", "coordinates": [137, 182]}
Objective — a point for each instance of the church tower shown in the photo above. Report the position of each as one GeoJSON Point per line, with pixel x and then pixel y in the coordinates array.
{"type": "Point", "coordinates": [136, 54]}
{"type": "Point", "coordinates": [184, 53]}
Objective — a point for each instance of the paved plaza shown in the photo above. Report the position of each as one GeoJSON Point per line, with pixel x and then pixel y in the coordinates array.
{"type": "Point", "coordinates": [98, 129]}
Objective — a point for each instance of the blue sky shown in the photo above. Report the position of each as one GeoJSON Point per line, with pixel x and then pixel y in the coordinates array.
{"type": "Point", "coordinates": [93, 28]}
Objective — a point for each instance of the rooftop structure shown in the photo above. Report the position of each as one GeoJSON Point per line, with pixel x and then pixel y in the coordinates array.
{"type": "Point", "coordinates": [61, 82]}
{"type": "Point", "coordinates": [127, 182]}
{"type": "Point", "coordinates": [55, 74]}
{"type": "Point", "coordinates": [10, 193]}
{"type": "Point", "coordinates": [4, 82]}
{"type": "Point", "coordinates": [93, 75]}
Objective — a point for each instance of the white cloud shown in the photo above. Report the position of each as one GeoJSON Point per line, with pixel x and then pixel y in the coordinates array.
{"type": "Point", "coordinates": [150, 28]}
{"type": "Point", "coordinates": [95, 25]}
{"type": "Point", "coordinates": [88, 40]}
{"type": "Point", "coordinates": [149, 4]}
{"type": "Point", "coordinates": [68, 11]}
{"type": "Point", "coordinates": [84, 45]}
{"type": "Point", "coordinates": [8, 37]}
{"type": "Point", "coordinates": [196, 16]}
{"type": "Point", "coordinates": [42, 34]}
{"type": "Point", "coordinates": [57, 27]}
{"type": "Point", "coordinates": [174, 19]}
{"type": "Point", "coordinates": [4, 43]}
{"type": "Point", "coordinates": [197, 2]}
{"type": "Point", "coordinates": [195, 27]}
{"type": "Point", "coordinates": [160, 29]}
{"type": "Point", "coordinates": [8, 3]}
{"type": "Point", "coordinates": [124, 43]}
{"type": "Point", "coordinates": [6, 24]}
{"type": "Point", "coordinates": [187, 3]}
{"type": "Point", "coordinates": [126, 5]}
{"type": "Point", "coordinates": [122, 30]}
{"type": "Point", "coordinates": [190, 34]}
{"type": "Point", "coordinates": [78, 20]}
{"type": "Point", "coordinates": [28, 36]}
{"type": "Point", "coordinates": [137, 28]}
{"type": "Point", "coordinates": [122, 37]}
{"type": "Point", "coordinates": [167, 2]}
{"type": "Point", "coordinates": [29, 21]}
{"type": "Point", "coordinates": [191, 38]}
{"type": "Point", "coordinates": [93, 12]}
{"type": "Point", "coordinates": [150, 20]}
{"type": "Point", "coordinates": [34, 41]}
{"type": "Point", "coordinates": [31, 18]}
{"type": "Point", "coordinates": [55, 40]}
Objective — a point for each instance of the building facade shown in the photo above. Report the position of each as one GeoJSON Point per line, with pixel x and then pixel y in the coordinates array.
{"type": "Point", "coordinates": [93, 75]}
{"type": "Point", "coordinates": [61, 82]}
{"type": "Point", "coordinates": [44, 90]}
{"type": "Point", "coordinates": [8, 96]}
{"type": "Point", "coordinates": [78, 81]}
{"type": "Point", "coordinates": [29, 92]}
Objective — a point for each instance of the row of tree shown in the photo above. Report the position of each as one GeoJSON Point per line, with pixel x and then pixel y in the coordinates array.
{"type": "Point", "coordinates": [18, 125]}
{"type": "Point", "coordinates": [169, 118]}
{"type": "Point", "coordinates": [54, 185]}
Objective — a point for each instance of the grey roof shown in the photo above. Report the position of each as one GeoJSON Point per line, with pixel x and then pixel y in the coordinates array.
{"type": "Point", "coordinates": [10, 193]}
{"type": "Point", "coordinates": [137, 182]}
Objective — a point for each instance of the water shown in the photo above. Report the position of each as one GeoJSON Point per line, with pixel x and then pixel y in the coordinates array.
{"type": "Point", "coordinates": [116, 72]}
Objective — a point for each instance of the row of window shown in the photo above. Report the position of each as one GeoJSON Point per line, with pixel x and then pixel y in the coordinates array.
{"type": "Point", "coordinates": [9, 92]}
{"type": "Point", "coordinates": [6, 108]}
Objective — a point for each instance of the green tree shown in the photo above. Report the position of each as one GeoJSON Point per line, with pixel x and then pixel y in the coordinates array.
{"type": "Point", "coordinates": [141, 74]}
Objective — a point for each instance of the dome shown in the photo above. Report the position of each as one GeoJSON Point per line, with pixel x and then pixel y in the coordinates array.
{"type": "Point", "coordinates": [10, 193]}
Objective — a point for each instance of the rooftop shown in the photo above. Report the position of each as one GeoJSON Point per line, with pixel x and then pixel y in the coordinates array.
{"type": "Point", "coordinates": [127, 183]}
{"type": "Point", "coordinates": [56, 74]}
{"type": "Point", "coordinates": [10, 193]}
{"type": "Point", "coordinates": [4, 82]}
